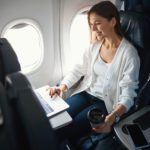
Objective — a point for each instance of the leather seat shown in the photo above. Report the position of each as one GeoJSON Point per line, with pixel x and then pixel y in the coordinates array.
{"type": "Point", "coordinates": [9, 139]}
{"type": "Point", "coordinates": [36, 130]}
{"type": "Point", "coordinates": [135, 21]}
{"type": "Point", "coordinates": [141, 6]}
{"type": "Point", "coordinates": [136, 29]}
{"type": "Point", "coordinates": [24, 118]}
{"type": "Point", "coordinates": [8, 59]}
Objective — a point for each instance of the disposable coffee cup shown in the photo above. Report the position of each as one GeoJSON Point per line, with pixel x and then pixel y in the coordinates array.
{"type": "Point", "coordinates": [96, 117]}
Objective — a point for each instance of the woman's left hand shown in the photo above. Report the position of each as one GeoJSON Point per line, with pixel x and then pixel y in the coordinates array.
{"type": "Point", "coordinates": [106, 126]}
{"type": "Point", "coordinates": [103, 128]}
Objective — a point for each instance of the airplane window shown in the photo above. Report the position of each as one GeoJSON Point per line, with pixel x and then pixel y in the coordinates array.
{"type": "Point", "coordinates": [79, 38]}
{"type": "Point", "coordinates": [25, 38]}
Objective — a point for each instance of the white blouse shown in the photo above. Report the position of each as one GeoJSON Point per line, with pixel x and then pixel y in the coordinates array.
{"type": "Point", "coordinates": [100, 70]}
{"type": "Point", "coordinates": [120, 81]}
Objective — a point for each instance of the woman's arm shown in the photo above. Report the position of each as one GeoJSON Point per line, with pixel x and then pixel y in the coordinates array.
{"type": "Point", "coordinates": [111, 119]}
{"type": "Point", "coordinates": [78, 71]}
{"type": "Point", "coordinates": [129, 82]}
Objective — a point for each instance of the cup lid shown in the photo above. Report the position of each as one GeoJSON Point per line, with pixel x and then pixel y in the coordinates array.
{"type": "Point", "coordinates": [96, 116]}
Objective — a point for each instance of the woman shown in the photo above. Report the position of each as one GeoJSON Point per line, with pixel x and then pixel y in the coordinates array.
{"type": "Point", "coordinates": [110, 69]}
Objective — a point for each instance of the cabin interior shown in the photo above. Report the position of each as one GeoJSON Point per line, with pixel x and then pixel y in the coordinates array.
{"type": "Point", "coordinates": [29, 62]}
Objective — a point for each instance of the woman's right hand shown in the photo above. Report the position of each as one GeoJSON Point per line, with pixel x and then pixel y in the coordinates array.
{"type": "Point", "coordinates": [57, 90]}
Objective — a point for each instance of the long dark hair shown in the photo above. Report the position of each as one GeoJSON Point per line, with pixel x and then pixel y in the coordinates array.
{"type": "Point", "coordinates": [107, 10]}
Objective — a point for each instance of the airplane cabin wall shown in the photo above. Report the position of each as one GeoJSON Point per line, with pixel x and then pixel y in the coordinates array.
{"type": "Point", "coordinates": [46, 14]}
{"type": "Point", "coordinates": [54, 18]}
{"type": "Point", "coordinates": [68, 11]}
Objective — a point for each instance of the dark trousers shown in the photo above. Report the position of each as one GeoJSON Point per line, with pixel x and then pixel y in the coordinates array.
{"type": "Point", "coordinates": [80, 104]}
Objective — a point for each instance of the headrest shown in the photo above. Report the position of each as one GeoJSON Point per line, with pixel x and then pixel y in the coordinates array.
{"type": "Point", "coordinates": [141, 6]}
{"type": "Point", "coordinates": [8, 60]}
{"type": "Point", "coordinates": [136, 28]}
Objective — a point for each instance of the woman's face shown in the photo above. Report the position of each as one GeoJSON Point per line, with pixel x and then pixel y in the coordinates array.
{"type": "Point", "coordinates": [101, 26]}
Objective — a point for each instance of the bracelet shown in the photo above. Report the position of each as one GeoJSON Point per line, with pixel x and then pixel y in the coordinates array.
{"type": "Point", "coordinates": [117, 117]}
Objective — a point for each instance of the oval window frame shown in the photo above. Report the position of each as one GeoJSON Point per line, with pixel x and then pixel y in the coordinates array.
{"type": "Point", "coordinates": [36, 65]}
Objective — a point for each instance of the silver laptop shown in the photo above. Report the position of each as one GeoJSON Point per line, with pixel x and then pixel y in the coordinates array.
{"type": "Point", "coordinates": [52, 106]}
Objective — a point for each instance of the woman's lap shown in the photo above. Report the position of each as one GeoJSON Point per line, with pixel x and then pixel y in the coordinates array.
{"type": "Point", "coordinates": [80, 104]}
{"type": "Point", "coordinates": [77, 103]}
{"type": "Point", "coordinates": [82, 101]}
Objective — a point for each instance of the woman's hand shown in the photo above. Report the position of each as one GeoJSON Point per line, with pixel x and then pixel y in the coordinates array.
{"type": "Point", "coordinates": [103, 128]}
{"type": "Point", "coordinates": [106, 126]}
{"type": "Point", "coordinates": [57, 90]}
{"type": "Point", "coordinates": [110, 119]}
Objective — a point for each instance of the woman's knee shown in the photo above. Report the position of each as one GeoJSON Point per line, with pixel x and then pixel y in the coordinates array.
{"type": "Point", "coordinates": [77, 103]}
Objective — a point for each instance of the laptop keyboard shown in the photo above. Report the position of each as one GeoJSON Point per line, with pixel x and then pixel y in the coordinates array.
{"type": "Point", "coordinates": [44, 104]}
{"type": "Point", "coordinates": [144, 120]}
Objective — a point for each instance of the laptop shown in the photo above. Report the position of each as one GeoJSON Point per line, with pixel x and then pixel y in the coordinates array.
{"type": "Point", "coordinates": [52, 106]}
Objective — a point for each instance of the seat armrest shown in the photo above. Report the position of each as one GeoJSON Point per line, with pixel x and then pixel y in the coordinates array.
{"type": "Point", "coordinates": [136, 117]}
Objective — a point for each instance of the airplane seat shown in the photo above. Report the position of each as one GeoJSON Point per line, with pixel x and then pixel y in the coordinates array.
{"type": "Point", "coordinates": [8, 64]}
{"type": "Point", "coordinates": [141, 6]}
{"type": "Point", "coordinates": [8, 127]}
{"type": "Point", "coordinates": [135, 24]}
{"type": "Point", "coordinates": [8, 60]}
{"type": "Point", "coordinates": [136, 29]}
{"type": "Point", "coordinates": [27, 124]}
{"type": "Point", "coordinates": [135, 21]}
{"type": "Point", "coordinates": [35, 127]}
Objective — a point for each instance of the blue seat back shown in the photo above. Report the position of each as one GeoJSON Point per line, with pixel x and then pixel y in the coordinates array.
{"type": "Point", "coordinates": [136, 28]}
{"type": "Point", "coordinates": [8, 59]}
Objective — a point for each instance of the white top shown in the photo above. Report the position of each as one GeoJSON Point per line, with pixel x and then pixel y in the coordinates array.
{"type": "Point", "coordinates": [100, 71]}
{"type": "Point", "coordinates": [121, 79]}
